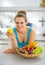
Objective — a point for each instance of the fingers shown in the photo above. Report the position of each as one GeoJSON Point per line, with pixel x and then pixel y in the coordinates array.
{"type": "Point", "coordinates": [7, 51]}
{"type": "Point", "coordinates": [10, 35]}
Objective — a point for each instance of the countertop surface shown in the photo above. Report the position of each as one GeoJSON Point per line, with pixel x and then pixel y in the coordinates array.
{"type": "Point", "coordinates": [15, 59]}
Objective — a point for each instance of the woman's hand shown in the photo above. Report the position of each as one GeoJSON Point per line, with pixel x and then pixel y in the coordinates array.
{"type": "Point", "coordinates": [10, 35]}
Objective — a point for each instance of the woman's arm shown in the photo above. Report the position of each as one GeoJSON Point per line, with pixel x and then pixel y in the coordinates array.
{"type": "Point", "coordinates": [32, 36]}
{"type": "Point", "coordinates": [13, 39]}
{"type": "Point", "coordinates": [14, 43]}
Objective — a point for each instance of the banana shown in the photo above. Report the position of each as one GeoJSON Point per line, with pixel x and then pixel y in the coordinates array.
{"type": "Point", "coordinates": [33, 44]}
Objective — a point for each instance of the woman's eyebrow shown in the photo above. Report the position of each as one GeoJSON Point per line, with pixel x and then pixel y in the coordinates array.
{"type": "Point", "coordinates": [21, 22]}
{"type": "Point", "coordinates": [16, 22]}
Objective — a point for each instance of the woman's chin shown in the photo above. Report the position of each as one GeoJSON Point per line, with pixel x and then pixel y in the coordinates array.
{"type": "Point", "coordinates": [20, 29]}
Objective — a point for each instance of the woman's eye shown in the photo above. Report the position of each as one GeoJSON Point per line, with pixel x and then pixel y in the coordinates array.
{"type": "Point", "coordinates": [21, 22]}
{"type": "Point", "coordinates": [17, 23]}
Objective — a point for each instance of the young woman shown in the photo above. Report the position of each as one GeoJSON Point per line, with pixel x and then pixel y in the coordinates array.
{"type": "Point", "coordinates": [22, 36]}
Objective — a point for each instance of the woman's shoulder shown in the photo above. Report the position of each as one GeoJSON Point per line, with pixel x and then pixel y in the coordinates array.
{"type": "Point", "coordinates": [28, 27]}
{"type": "Point", "coordinates": [14, 28]}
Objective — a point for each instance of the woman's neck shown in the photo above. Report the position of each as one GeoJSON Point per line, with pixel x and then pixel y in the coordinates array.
{"type": "Point", "coordinates": [22, 31]}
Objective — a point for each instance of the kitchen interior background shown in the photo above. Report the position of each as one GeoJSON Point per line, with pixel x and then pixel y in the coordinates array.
{"type": "Point", "coordinates": [35, 15]}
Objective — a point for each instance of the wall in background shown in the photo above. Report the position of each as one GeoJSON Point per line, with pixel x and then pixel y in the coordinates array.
{"type": "Point", "coordinates": [34, 17]}
{"type": "Point", "coordinates": [20, 3]}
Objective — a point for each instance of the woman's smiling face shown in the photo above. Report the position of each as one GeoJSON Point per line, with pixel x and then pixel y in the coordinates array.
{"type": "Point", "coordinates": [20, 23]}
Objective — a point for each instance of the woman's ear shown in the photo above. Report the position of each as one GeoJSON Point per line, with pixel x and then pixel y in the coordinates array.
{"type": "Point", "coordinates": [25, 23]}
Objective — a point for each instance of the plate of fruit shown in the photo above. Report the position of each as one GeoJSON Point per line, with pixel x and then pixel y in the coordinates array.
{"type": "Point", "coordinates": [30, 51]}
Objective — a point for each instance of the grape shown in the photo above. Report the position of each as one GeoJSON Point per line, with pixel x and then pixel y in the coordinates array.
{"type": "Point", "coordinates": [30, 52]}
{"type": "Point", "coordinates": [31, 49]}
{"type": "Point", "coordinates": [38, 50]}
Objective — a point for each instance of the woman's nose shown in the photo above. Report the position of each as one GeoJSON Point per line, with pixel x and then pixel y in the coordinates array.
{"type": "Point", "coordinates": [19, 24]}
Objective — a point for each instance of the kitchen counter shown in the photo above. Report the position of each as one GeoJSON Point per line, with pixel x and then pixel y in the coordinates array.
{"type": "Point", "coordinates": [15, 59]}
